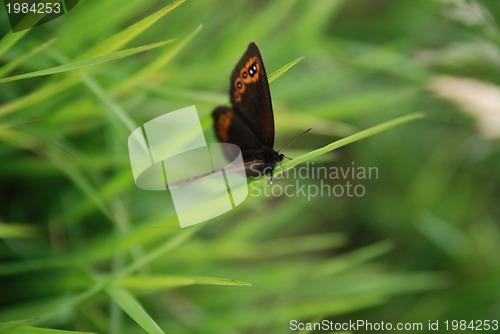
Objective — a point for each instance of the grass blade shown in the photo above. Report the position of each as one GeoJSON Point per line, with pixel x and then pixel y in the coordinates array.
{"type": "Point", "coordinates": [179, 239]}
{"type": "Point", "coordinates": [147, 283]}
{"type": "Point", "coordinates": [342, 142]}
{"type": "Point", "coordinates": [9, 40]}
{"type": "Point", "coordinates": [37, 330]}
{"type": "Point", "coordinates": [109, 45]}
{"type": "Point", "coordinates": [351, 139]}
{"type": "Point", "coordinates": [18, 231]}
{"type": "Point", "coordinates": [19, 60]}
{"type": "Point", "coordinates": [134, 309]}
{"type": "Point", "coordinates": [276, 74]}
{"type": "Point", "coordinates": [161, 61]}
{"type": "Point", "coordinates": [81, 64]}
{"type": "Point", "coordinates": [126, 35]}
{"type": "Point", "coordinates": [5, 326]}
{"type": "Point", "coordinates": [111, 104]}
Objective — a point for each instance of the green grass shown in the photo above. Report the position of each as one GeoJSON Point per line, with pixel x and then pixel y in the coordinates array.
{"type": "Point", "coordinates": [84, 250]}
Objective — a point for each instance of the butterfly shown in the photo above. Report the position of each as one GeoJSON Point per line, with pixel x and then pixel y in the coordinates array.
{"type": "Point", "coordinates": [249, 122]}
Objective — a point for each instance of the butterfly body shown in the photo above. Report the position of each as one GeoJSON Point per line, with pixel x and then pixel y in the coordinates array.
{"type": "Point", "coordinates": [249, 123]}
{"type": "Point", "coordinates": [264, 162]}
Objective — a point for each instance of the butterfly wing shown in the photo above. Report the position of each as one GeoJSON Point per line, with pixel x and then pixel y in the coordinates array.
{"type": "Point", "coordinates": [230, 128]}
{"type": "Point", "coordinates": [250, 96]}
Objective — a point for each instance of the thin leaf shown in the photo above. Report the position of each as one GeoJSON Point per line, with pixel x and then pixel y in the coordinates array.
{"type": "Point", "coordinates": [18, 231]}
{"type": "Point", "coordinates": [344, 141]}
{"type": "Point", "coordinates": [38, 330]}
{"type": "Point", "coordinates": [219, 281]}
{"type": "Point", "coordinates": [126, 35]}
{"type": "Point", "coordinates": [81, 64]}
{"type": "Point", "coordinates": [160, 61]}
{"type": "Point", "coordinates": [9, 40]}
{"type": "Point", "coordinates": [50, 308]}
{"type": "Point", "coordinates": [64, 160]}
{"type": "Point", "coordinates": [168, 246]}
{"type": "Point", "coordinates": [37, 96]}
{"type": "Point", "coordinates": [162, 282]}
{"type": "Point", "coordinates": [187, 94]}
{"type": "Point", "coordinates": [109, 45]}
{"type": "Point", "coordinates": [47, 311]}
{"type": "Point", "coordinates": [351, 139]}
{"type": "Point", "coordinates": [276, 74]}
{"type": "Point", "coordinates": [4, 326]}
{"type": "Point", "coordinates": [112, 105]}
{"type": "Point", "coordinates": [19, 60]}
{"type": "Point", "coordinates": [134, 309]}
{"type": "Point", "coordinates": [353, 259]}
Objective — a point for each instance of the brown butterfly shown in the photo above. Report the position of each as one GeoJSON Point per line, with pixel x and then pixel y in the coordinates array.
{"type": "Point", "coordinates": [249, 123]}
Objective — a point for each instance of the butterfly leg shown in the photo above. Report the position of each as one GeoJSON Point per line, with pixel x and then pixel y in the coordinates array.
{"type": "Point", "coordinates": [283, 171]}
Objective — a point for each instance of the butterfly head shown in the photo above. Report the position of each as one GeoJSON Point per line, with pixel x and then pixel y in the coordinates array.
{"type": "Point", "coordinates": [278, 157]}
{"type": "Point", "coordinates": [271, 159]}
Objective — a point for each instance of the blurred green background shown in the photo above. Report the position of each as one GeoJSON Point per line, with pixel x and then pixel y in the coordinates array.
{"type": "Point", "coordinates": [83, 249]}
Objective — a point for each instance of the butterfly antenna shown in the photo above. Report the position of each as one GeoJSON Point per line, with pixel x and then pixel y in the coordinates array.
{"type": "Point", "coordinates": [294, 140]}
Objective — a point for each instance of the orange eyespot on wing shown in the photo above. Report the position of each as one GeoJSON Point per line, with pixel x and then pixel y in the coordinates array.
{"type": "Point", "coordinates": [239, 89]}
{"type": "Point", "coordinates": [249, 74]}
{"type": "Point", "coordinates": [223, 124]}
{"type": "Point", "coordinates": [239, 85]}
{"type": "Point", "coordinates": [237, 96]}
{"type": "Point", "coordinates": [250, 71]}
